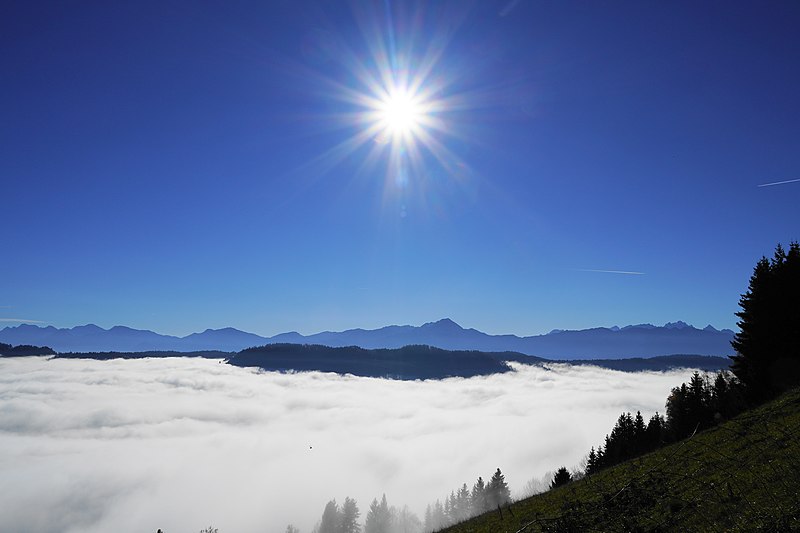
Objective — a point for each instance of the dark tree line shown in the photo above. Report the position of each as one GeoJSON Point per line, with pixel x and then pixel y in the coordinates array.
{"type": "Point", "coordinates": [464, 503]}
{"type": "Point", "coordinates": [691, 407]}
{"type": "Point", "coordinates": [703, 403]}
{"type": "Point", "coordinates": [629, 438]}
{"type": "Point", "coordinates": [7, 350]}
{"type": "Point", "coordinates": [767, 360]}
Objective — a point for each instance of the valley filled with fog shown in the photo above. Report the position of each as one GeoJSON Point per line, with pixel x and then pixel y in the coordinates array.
{"type": "Point", "coordinates": [179, 443]}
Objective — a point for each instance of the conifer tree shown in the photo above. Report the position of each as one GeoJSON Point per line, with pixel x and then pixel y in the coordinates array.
{"type": "Point", "coordinates": [654, 432]}
{"type": "Point", "coordinates": [639, 434]}
{"type": "Point", "coordinates": [591, 462]}
{"type": "Point", "coordinates": [349, 517]}
{"type": "Point", "coordinates": [379, 517]}
{"type": "Point", "coordinates": [405, 521]}
{"type": "Point", "coordinates": [478, 497]}
{"type": "Point", "coordinates": [428, 521]}
{"type": "Point", "coordinates": [439, 519]}
{"type": "Point", "coordinates": [331, 518]}
{"type": "Point", "coordinates": [463, 504]}
{"type": "Point", "coordinates": [767, 359]}
{"type": "Point", "coordinates": [561, 477]}
{"type": "Point", "coordinates": [497, 492]}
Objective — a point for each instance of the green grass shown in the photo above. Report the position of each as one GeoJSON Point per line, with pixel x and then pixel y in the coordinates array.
{"type": "Point", "coordinates": [743, 475]}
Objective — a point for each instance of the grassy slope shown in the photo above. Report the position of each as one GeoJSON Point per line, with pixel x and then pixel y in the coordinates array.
{"type": "Point", "coordinates": [743, 475]}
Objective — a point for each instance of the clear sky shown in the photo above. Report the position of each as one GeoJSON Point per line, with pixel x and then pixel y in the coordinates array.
{"type": "Point", "coordinates": [292, 165]}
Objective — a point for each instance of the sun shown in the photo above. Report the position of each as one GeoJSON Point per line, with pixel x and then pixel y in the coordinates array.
{"type": "Point", "coordinates": [397, 97]}
{"type": "Point", "coordinates": [400, 114]}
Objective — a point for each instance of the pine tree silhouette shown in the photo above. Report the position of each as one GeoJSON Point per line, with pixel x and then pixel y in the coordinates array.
{"type": "Point", "coordinates": [767, 359]}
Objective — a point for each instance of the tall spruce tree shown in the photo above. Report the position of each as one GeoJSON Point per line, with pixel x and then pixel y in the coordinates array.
{"type": "Point", "coordinates": [478, 497]}
{"type": "Point", "coordinates": [349, 517]}
{"type": "Point", "coordinates": [331, 518]}
{"type": "Point", "coordinates": [379, 517]}
{"type": "Point", "coordinates": [767, 359]}
{"type": "Point", "coordinates": [497, 492]}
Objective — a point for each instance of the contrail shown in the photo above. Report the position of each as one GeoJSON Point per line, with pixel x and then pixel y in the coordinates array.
{"type": "Point", "coordinates": [24, 320]}
{"type": "Point", "coordinates": [609, 271]}
{"type": "Point", "coordinates": [779, 183]}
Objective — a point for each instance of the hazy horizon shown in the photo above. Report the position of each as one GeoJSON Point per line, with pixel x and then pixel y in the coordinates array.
{"type": "Point", "coordinates": [107, 326]}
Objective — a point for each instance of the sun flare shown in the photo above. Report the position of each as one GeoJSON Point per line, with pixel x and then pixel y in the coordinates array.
{"type": "Point", "coordinates": [400, 114]}
{"type": "Point", "coordinates": [400, 101]}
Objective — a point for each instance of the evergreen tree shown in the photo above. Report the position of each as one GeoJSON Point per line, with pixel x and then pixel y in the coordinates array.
{"type": "Point", "coordinates": [591, 462]}
{"type": "Point", "coordinates": [497, 492]}
{"type": "Point", "coordinates": [331, 518]}
{"type": "Point", "coordinates": [767, 359]}
{"type": "Point", "coordinates": [379, 517]}
{"type": "Point", "coordinates": [453, 516]}
{"type": "Point", "coordinates": [428, 522]}
{"type": "Point", "coordinates": [699, 401]}
{"type": "Point", "coordinates": [349, 517]}
{"type": "Point", "coordinates": [562, 477]}
{"type": "Point", "coordinates": [639, 434]}
{"type": "Point", "coordinates": [439, 518]}
{"type": "Point", "coordinates": [655, 432]}
{"type": "Point", "coordinates": [601, 457]}
{"type": "Point", "coordinates": [478, 498]}
{"type": "Point", "coordinates": [727, 399]}
{"type": "Point", "coordinates": [678, 421]}
{"type": "Point", "coordinates": [405, 521]}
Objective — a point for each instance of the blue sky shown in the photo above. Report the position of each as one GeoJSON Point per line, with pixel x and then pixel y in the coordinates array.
{"type": "Point", "coordinates": [174, 166]}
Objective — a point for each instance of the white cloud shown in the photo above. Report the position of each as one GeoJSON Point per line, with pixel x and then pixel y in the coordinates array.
{"type": "Point", "coordinates": [178, 444]}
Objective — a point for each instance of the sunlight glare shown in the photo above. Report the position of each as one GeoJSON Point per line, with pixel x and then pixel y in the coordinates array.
{"type": "Point", "coordinates": [400, 113]}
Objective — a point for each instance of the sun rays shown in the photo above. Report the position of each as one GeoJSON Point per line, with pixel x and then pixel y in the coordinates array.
{"type": "Point", "coordinates": [397, 98]}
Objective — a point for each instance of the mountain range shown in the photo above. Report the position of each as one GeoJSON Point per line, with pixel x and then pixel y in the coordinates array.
{"type": "Point", "coordinates": [641, 340]}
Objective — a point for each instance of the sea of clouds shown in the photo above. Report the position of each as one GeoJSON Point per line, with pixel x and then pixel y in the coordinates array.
{"type": "Point", "coordinates": [180, 444]}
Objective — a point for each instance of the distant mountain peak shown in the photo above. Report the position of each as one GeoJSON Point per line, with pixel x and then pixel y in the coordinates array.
{"type": "Point", "coordinates": [680, 324]}
{"type": "Point", "coordinates": [602, 342]}
{"type": "Point", "coordinates": [710, 328]}
{"type": "Point", "coordinates": [223, 330]}
{"type": "Point", "coordinates": [89, 327]}
{"type": "Point", "coordinates": [640, 326]}
{"type": "Point", "coordinates": [444, 323]}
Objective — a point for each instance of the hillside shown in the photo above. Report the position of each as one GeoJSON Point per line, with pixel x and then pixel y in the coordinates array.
{"type": "Point", "coordinates": [409, 362]}
{"type": "Point", "coordinates": [7, 350]}
{"type": "Point", "coordinates": [738, 476]}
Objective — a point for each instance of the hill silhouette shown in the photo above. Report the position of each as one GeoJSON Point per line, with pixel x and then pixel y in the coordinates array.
{"type": "Point", "coordinates": [408, 363]}
{"type": "Point", "coordinates": [23, 350]}
{"type": "Point", "coordinates": [740, 475]}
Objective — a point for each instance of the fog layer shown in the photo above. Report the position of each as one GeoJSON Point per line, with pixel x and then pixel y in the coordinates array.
{"type": "Point", "coordinates": [178, 444]}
